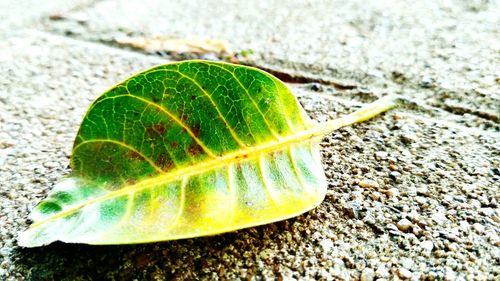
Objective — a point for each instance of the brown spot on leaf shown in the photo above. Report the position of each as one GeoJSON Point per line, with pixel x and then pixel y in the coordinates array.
{"type": "Point", "coordinates": [131, 181]}
{"type": "Point", "coordinates": [174, 144]}
{"type": "Point", "coordinates": [164, 163]}
{"type": "Point", "coordinates": [160, 128]}
{"type": "Point", "coordinates": [196, 130]}
{"type": "Point", "coordinates": [168, 166]}
{"type": "Point", "coordinates": [161, 160]}
{"type": "Point", "coordinates": [195, 149]}
{"type": "Point", "coordinates": [98, 147]}
{"type": "Point", "coordinates": [156, 129]}
{"type": "Point", "coordinates": [193, 97]}
{"type": "Point", "coordinates": [134, 155]}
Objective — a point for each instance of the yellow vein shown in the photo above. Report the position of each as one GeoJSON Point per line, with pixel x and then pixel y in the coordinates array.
{"type": "Point", "coordinates": [181, 205]}
{"type": "Point", "coordinates": [250, 97]}
{"type": "Point", "coordinates": [121, 144]}
{"type": "Point", "coordinates": [125, 217]}
{"type": "Point", "coordinates": [266, 185]}
{"type": "Point", "coordinates": [153, 208]}
{"type": "Point", "coordinates": [297, 173]}
{"type": "Point", "coordinates": [233, 133]}
{"type": "Point", "coordinates": [171, 116]}
{"type": "Point", "coordinates": [128, 212]}
{"type": "Point", "coordinates": [232, 195]}
{"type": "Point", "coordinates": [312, 134]}
{"type": "Point", "coordinates": [316, 156]}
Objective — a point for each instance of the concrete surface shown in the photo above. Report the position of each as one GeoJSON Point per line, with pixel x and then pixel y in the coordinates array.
{"type": "Point", "coordinates": [447, 46]}
{"type": "Point", "coordinates": [16, 14]}
{"type": "Point", "coordinates": [412, 194]}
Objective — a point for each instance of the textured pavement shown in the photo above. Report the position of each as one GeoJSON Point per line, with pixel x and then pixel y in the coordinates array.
{"type": "Point", "coordinates": [413, 194]}
{"type": "Point", "coordinates": [449, 47]}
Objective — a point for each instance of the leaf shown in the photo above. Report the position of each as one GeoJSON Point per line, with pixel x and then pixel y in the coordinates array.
{"type": "Point", "coordinates": [184, 150]}
{"type": "Point", "coordinates": [177, 45]}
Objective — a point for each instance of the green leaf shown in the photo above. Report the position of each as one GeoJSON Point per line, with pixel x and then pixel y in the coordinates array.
{"type": "Point", "coordinates": [184, 150]}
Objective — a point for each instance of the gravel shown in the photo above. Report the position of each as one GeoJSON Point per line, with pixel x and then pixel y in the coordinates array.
{"type": "Point", "coordinates": [412, 194]}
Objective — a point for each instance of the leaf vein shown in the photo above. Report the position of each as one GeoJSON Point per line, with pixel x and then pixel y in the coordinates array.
{"type": "Point", "coordinates": [231, 130]}
{"type": "Point", "coordinates": [181, 205]}
{"type": "Point", "coordinates": [250, 97]}
{"type": "Point", "coordinates": [267, 186]}
{"type": "Point", "coordinates": [232, 195]}
{"type": "Point", "coordinates": [149, 160]}
{"type": "Point", "coordinates": [296, 171]}
{"type": "Point", "coordinates": [171, 116]}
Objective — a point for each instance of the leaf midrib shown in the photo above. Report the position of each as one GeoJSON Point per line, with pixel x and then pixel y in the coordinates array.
{"type": "Point", "coordinates": [246, 154]}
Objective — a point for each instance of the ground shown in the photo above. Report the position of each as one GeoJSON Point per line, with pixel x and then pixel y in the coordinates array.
{"type": "Point", "coordinates": [413, 194]}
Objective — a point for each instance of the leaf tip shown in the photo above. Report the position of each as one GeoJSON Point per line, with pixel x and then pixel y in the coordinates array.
{"type": "Point", "coordinates": [35, 237]}
{"type": "Point", "coordinates": [24, 240]}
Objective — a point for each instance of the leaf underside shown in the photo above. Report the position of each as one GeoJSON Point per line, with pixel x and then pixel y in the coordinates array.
{"type": "Point", "coordinates": [184, 150]}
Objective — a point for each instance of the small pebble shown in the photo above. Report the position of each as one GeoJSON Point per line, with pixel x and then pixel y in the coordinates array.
{"type": "Point", "coordinates": [392, 192]}
{"type": "Point", "coordinates": [487, 211]}
{"type": "Point", "coordinates": [407, 262]}
{"type": "Point", "coordinates": [449, 274]}
{"type": "Point", "coordinates": [392, 160]}
{"type": "Point", "coordinates": [404, 273]}
{"type": "Point", "coordinates": [397, 116]}
{"type": "Point", "coordinates": [352, 210]}
{"type": "Point", "coordinates": [395, 175]}
{"type": "Point", "coordinates": [426, 82]}
{"type": "Point", "coordinates": [423, 190]}
{"type": "Point", "coordinates": [327, 245]}
{"type": "Point", "coordinates": [420, 200]}
{"type": "Point", "coordinates": [404, 224]}
{"type": "Point", "coordinates": [316, 87]}
{"type": "Point", "coordinates": [391, 227]}
{"type": "Point", "coordinates": [409, 138]}
{"type": "Point", "coordinates": [478, 228]}
{"type": "Point", "coordinates": [368, 274]}
{"type": "Point", "coordinates": [265, 254]}
{"type": "Point", "coordinates": [50, 165]}
{"type": "Point", "coordinates": [376, 195]}
{"type": "Point", "coordinates": [355, 139]}
{"type": "Point", "coordinates": [366, 183]}
{"type": "Point", "coordinates": [381, 155]}
{"type": "Point", "coordinates": [382, 272]}
{"type": "Point", "coordinates": [427, 245]}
